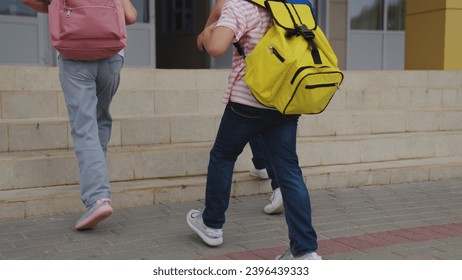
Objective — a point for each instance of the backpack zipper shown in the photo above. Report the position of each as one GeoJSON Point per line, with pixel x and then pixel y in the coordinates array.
{"type": "Point", "coordinates": [301, 69]}
{"type": "Point", "coordinates": [277, 54]}
{"type": "Point", "coordinates": [322, 86]}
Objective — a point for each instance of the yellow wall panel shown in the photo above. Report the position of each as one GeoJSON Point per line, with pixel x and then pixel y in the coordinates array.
{"type": "Point", "coordinates": [424, 6]}
{"type": "Point", "coordinates": [425, 41]}
{"type": "Point", "coordinates": [453, 40]}
{"type": "Point", "coordinates": [433, 35]}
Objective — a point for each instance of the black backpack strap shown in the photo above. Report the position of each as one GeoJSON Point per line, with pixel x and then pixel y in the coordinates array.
{"type": "Point", "coordinates": [239, 49]}
{"type": "Point", "coordinates": [309, 36]}
{"type": "Point", "coordinates": [302, 30]}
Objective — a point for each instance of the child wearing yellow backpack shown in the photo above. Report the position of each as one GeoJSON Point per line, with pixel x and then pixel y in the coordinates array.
{"type": "Point", "coordinates": [245, 118]}
{"type": "Point", "coordinates": [261, 169]}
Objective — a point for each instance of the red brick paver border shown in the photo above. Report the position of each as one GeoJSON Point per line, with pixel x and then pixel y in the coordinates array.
{"type": "Point", "coordinates": [360, 242]}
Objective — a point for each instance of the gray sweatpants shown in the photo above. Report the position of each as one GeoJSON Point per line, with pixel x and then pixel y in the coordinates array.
{"type": "Point", "coordinates": [88, 88]}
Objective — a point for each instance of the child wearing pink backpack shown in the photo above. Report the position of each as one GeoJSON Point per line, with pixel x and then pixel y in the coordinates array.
{"type": "Point", "coordinates": [88, 86]}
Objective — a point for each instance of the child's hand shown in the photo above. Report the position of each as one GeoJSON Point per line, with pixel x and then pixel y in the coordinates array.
{"type": "Point", "coordinates": [200, 41]}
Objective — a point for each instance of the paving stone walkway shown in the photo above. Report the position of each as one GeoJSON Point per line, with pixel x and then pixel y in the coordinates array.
{"type": "Point", "coordinates": [414, 221]}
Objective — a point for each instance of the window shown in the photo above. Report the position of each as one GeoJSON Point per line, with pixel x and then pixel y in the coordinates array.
{"type": "Point", "coordinates": [372, 15]}
{"type": "Point", "coordinates": [142, 7]}
{"type": "Point", "coordinates": [177, 16]}
{"type": "Point", "coordinates": [396, 15]}
{"type": "Point", "coordinates": [15, 8]}
{"type": "Point", "coordinates": [376, 35]}
{"type": "Point", "coordinates": [366, 14]}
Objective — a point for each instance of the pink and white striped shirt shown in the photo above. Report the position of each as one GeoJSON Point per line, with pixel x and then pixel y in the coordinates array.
{"type": "Point", "coordinates": [249, 23]}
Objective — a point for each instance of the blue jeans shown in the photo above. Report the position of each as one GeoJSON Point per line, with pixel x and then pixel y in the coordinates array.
{"type": "Point", "coordinates": [88, 88]}
{"type": "Point", "coordinates": [259, 158]}
{"type": "Point", "coordinates": [239, 124]}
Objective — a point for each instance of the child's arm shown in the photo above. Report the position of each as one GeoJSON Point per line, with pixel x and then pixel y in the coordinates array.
{"type": "Point", "coordinates": [215, 13]}
{"type": "Point", "coordinates": [213, 17]}
{"type": "Point", "coordinates": [40, 6]}
{"type": "Point", "coordinates": [130, 12]}
{"type": "Point", "coordinates": [216, 40]}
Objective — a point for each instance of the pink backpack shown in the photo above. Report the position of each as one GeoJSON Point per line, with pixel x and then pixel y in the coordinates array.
{"type": "Point", "coordinates": [87, 29]}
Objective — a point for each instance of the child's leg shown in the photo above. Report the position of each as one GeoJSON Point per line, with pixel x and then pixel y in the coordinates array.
{"type": "Point", "coordinates": [238, 125]}
{"type": "Point", "coordinates": [78, 80]}
{"type": "Point", "coordinates": [280, 139]}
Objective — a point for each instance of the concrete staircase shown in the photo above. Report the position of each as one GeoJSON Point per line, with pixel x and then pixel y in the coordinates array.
{"type": "Point", "coordinates": [380, 128]}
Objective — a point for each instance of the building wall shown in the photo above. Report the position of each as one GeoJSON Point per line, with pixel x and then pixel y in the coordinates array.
{"type": "Point", "coordinates": [433, 38]}
{"type": "Point", "coordinates": [150, 48]}
{"type": "Point", "coordinates": [425, 18]}
{"type": "Point", "coordinates": [453, 40]}
{"type": "Point", "coordinates": [338, 29]}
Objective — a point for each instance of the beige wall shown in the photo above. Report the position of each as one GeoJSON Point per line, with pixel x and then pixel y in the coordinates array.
{"type": "Point", "coordinates": [338, 29]}
{"type": "Point", "coordinates": [433, 40]}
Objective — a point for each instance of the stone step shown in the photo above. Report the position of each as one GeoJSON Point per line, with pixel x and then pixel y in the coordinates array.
{"type": "Point", "coordinates": [34, 92]}
{"type": "Point", "coordinates": [23, 170]}
{"type": "Point", "coordinates": [23, 104]}
{"type": "Point", "coordinates": [133, 79]}
{"type": "Point", "coordinates": [45, 134]}
{"type": "Point", "coordinates": [381, 127]}
{"type": "Point", "coordinates": [50, 104]}
{"type": "Point", "coordinates": [56, 200]}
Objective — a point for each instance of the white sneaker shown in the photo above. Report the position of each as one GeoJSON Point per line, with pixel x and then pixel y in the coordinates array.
{"type": "Point", "coordinates": [260, 173]}
{"type": "Point", "coordinates": [276, 205]}
{"type": "Point", "coordinates": [211, 236]}
{"type": "Point", "coordinates": [308, 256]}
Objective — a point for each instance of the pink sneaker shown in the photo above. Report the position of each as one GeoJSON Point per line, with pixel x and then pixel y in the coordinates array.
{"type": "Point", "coordinates": [94, 214]}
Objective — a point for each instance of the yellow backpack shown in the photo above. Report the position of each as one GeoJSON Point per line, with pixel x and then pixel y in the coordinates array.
{"type": "Point", "coordinates": [293, 68]}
